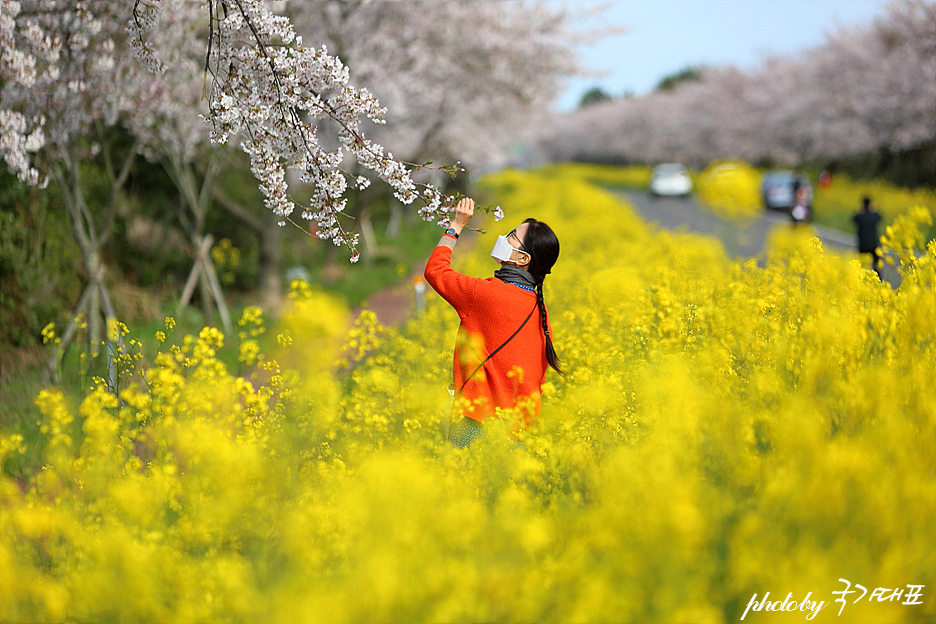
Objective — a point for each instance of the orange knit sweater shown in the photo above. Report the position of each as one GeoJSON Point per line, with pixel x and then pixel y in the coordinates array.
{"type": "Point", "coordinates": [491, 311]}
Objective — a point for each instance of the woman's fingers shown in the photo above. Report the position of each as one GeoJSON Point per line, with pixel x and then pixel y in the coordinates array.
{"type": "Point", "coordinates": [466, 205]}
{"type": "Point", "coordinates": [464, 210]}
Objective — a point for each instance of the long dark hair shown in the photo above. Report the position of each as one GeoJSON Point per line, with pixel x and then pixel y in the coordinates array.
{"type": "Point", "coordinates": [543, 246]}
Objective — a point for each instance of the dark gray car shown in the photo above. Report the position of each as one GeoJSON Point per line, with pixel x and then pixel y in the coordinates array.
{"type": "Point", "coordinates": [778, 189]}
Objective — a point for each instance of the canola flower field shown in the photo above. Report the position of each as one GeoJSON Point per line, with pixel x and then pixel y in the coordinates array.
{"type": "Point", "coordinates": [839, 201]}
{"type": "Point", "coordinates": [724, 430]}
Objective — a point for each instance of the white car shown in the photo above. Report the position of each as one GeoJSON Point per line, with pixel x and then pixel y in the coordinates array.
{"type": "Point", "coordinates": [670, 179]}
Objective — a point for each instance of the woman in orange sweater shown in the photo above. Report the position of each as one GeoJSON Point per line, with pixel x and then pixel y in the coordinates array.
{"type": "Point", "coordinates": [504, 345]}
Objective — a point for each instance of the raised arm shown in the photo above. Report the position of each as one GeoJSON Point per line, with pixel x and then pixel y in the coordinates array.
{"type": "Point", "coordinates": [449, 283]}
{"type": "Point", "coordinates": [464, 210]}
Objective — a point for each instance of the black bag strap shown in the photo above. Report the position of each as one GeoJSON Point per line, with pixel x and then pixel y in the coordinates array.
{"type": "Point", "coordinates": [468, 378]}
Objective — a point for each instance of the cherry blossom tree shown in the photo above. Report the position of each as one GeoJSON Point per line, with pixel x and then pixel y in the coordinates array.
{"type": "Point", "coordinates": [882, 77]}
{"type": "Point", "coordinates": [266, 86]}
{"type": "Point", "coordinates": [462, 80]}
{"type": "Point", "coordinates": [172, 135]}
{"type": "Point", "coordinates": [450, 96]}
{"type": "Point", "coordinates": [293, 106]}
{"type": "Point", "coordinates": [61, 89]}
{"type": "Point", "coordinates": [66, 81]}
{"type": "Point", "coordinates": [864, 89]}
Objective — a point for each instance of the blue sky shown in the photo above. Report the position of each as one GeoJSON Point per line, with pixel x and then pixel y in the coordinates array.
{"type": "Point", "coordinates": [664, 36]}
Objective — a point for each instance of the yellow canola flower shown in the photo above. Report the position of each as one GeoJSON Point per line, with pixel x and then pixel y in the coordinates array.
{"type": "Point", "coordinates": [249, 351]}
{"type": "Point", "coordinates": [731, 189]}
{"type": "Point", "coordinates": [252, 321]}
{"type": "Point", "coordinates": [716, 414]}
{"type": "Point", "coordinates": [10, 444]}
{"type": "Point", "coordinates": [48, 334]}
{"type": "Point", "coordinates": [905, 236]}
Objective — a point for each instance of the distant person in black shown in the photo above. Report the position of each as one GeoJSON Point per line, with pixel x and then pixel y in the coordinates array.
{"type": "Point", "coordinates": [867, 220]}
{"type": "Point", "coordinates": [801, 212]}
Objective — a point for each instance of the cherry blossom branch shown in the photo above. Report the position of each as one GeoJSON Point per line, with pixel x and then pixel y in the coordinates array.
{"type": "Point", "coordinates": [291, 111]}
{"type": "Point", "coordinates": [264, 83]}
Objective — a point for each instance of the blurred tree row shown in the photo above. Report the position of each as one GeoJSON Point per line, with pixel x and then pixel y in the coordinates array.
{"type": "Point", "coordinates": [864, 102]}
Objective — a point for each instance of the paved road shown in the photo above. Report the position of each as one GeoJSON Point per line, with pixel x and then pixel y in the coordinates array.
{"type": "Point", "coordinates": [739, 239]}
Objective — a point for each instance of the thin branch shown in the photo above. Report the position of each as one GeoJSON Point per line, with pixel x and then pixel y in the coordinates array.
{"type": "Point", "coordinates": [236, 209]}
{"type": "Point", "coordinates": [83, 215]}
{"type": "Point", "coordinates": [71, 207]}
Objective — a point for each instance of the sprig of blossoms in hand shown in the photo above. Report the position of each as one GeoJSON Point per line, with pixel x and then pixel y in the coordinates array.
{"type": "Point", "coordinates": [439, 208]}
{"type": "Point", "coordinates": [270, 89]}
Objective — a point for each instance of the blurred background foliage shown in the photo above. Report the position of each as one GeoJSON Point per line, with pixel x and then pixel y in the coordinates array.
{"type": "Point", "coordinates": [37, 263]}
{"type": "Point", "coordinates": [149, 257]}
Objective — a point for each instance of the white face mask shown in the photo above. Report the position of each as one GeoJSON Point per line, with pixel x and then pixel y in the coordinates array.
{"type": "Point", "coordinates": [503, 248]}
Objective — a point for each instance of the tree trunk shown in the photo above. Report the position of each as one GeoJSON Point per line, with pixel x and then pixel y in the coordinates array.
{"type": "Point", "coordinates": [269, 237]}
{"type": "Point", "coordinates": [271, 261]}
{"type": "Point", "coordinates": [367, 231]}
